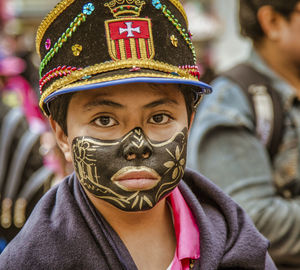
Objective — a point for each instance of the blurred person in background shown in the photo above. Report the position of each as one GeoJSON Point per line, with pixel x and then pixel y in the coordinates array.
{"type": "Point", "coordinates": [30, 161]}
{"type": "Point", "coordinates": [246, 136]}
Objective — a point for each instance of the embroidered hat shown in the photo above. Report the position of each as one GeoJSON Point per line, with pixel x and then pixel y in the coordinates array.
{"type": "Point", "coordinates": [88, 44]}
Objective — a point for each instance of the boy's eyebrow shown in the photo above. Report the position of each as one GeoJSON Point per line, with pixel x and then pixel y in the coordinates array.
{"type": "Point", "coordinates": [95, 103]}
{"type": "Point", "coordinates": [105, 102]}
{"type": "Point", "coordinates": [163, 101]}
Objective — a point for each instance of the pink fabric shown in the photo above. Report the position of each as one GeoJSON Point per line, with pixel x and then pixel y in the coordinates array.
{"type": "Point", "coordinates": [29, 103]}
{"type": "Point", "coordinates": [186, 230]}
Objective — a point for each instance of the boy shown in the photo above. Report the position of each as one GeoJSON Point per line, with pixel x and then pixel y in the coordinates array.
{"type": "Point", "coordinates": [120, 84]}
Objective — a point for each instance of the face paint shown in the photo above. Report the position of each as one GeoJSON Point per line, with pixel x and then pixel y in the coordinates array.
{"type": "Point", "coordinates": [132, 173]}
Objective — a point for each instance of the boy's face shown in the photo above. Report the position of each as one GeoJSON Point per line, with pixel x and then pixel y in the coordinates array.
{"type": "Point", "coordinates": [127, 142]}
{"type": "Point", "coordinates": [289, 37]}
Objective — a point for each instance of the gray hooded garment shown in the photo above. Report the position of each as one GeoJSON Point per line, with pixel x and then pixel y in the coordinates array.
{"type": "Point", "coordinates": [65, 231]}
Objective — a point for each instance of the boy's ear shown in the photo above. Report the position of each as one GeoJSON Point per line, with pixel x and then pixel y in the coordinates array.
{"type": "Point", "coordinates": [62, 139]}
{"type": "Point", "coordinates": [269, 20]}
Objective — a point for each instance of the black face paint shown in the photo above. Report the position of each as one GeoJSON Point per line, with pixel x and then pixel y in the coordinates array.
{"type": "Point", "coordinates": [106, 168]}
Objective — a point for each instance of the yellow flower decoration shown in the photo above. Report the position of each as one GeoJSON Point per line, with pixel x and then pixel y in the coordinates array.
{"type": "Point", "coordinates": [177, 165]}
{"type": "Point", "coordinates": [174, 41]}
{"type": "Point", "coordinates": [77, 49]}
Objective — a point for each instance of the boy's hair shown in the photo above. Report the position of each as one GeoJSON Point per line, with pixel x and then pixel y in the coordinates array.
{"type": "Point", "coordinates": [59, 106]}
{"type": "Point", "coordinates": [250, 26]}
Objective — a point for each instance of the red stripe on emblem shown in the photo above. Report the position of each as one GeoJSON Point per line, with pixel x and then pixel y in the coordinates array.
{"type": "Point", "coordinates": [147, 47]}
{"type": "Point", "coordinates": [138, 52]}
{"type": "Point", "coordinates": [118, 49]}
{"type": "Point", "coordinates": [127, 48]}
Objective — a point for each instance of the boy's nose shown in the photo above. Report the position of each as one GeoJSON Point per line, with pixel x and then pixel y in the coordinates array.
{"type": "Point", "coordinates": [137, 147]}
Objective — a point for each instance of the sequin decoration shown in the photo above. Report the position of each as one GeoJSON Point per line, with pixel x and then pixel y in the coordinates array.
{"type": "Point", "coordinates": [174, 41]}
{"type": "Point", "coordinates": [86, 11]}
{"type": "Point", "coordinates": [156, 4]}
{"type": "Point", "coordinates": [48, 44]}
{"type": "Point", "coordinates": [134, 68]}
{"type": "Point", "coordinates": [77, 49]}
{"type": "Point", "coordinates": [193, 70]}
{"type": "Point", "coordinates": [60, 71]}
{"type": "Point", "coordinates": [168, 14]}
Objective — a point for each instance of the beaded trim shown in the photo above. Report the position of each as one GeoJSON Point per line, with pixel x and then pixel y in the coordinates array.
{"type": "Point", "coordinates": [56, 72]}
{"type": "Point", "coordinates": [186, 36]}
{"type": "Point", "coordinates": [48, 20]}
{"type": "Point", "coordinates": [179, 6]}
{"type": "Point", "coordinates": [86, 11]}
{"type": "Point", "coordinates": [112, 78]}
{"type": "Point", "coordinates": [193, 70]}
{"type": "Point", "coordinates": [48, 44]}
{"type": "Point", "coordinates": [115, 65]}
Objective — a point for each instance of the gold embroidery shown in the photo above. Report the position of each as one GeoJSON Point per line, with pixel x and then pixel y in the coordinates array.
{"type": "Point", "coordinates": [113, 78]}
{"type": "Point", "coordinates": [121, 44]}
{"type": "Point", "coordinates": [76, 49]}
{"type": "Point", "coordinates": [120, 8]}
{"type": "Point", "coordinates": [66, 82]}
{"type": "Point", "coordinates": [143, 49]}
{"type": "Point", "coordinates": [133, 49]}
{"type": "Point", "coordinates": [174, 41]}
{"type": "Point", "coordinates": [122, 49]}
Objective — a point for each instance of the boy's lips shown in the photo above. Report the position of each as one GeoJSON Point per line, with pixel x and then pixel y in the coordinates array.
{"type": "Point", "coordinates": [136, 178]}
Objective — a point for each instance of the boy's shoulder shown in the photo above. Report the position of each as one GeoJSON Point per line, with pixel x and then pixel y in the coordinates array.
{"type": "Point", "coordinates": [50, 233]}
{"type": "Point", "coordinates": [224, 226]}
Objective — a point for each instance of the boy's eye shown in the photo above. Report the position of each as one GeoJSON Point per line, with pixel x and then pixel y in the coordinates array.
{"type": "Point", "coordinates": [105, 121]}
{"type": "Point", "coordinates": [160, 119]}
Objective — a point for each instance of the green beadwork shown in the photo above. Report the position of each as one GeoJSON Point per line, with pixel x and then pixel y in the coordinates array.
{"type": "Point", "coordinates": [64, 37]}
{"type": "Point", "coordinates": [179, 27]}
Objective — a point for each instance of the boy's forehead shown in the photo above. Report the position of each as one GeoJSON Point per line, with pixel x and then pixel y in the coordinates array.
{"type": "Point", "coordinates": [130, 91]}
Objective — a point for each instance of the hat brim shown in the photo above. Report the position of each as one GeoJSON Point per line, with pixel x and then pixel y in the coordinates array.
{"type": "Point", "coordinates": [117, 78]}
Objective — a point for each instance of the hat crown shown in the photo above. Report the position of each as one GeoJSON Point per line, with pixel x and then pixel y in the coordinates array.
{"type": "Point", "coordinates": [95, 42]}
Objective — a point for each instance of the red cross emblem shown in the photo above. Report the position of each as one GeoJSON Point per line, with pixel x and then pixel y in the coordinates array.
{"type": "Point", "coordinates": [129, 38]}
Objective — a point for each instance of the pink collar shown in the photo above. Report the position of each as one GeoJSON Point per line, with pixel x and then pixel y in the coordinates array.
{"type": "Point", "coordinates": [186, 230]}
